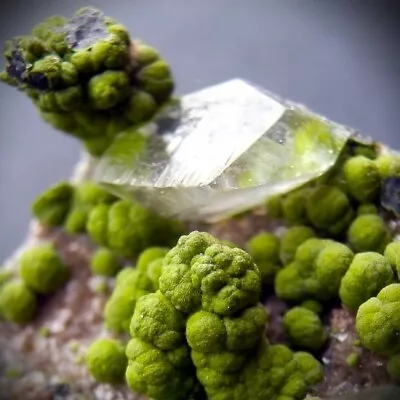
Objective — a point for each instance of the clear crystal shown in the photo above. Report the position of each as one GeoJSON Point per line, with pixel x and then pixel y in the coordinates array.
{"type": "Point", "coordinates": [219, 151]}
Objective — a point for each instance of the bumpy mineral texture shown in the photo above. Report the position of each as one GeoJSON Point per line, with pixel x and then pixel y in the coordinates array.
{"type": "Point", "coordinates": [87, 76]}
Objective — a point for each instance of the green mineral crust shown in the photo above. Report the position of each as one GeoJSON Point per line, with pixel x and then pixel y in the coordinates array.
{"type": "Point", "coordinates": [87, 76]}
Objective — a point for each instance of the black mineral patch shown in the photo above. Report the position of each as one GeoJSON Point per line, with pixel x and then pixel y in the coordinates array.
{"type": "Point", "coordinates": [17, 65]}
{"type": "Point", "coordinates": [85, 29]}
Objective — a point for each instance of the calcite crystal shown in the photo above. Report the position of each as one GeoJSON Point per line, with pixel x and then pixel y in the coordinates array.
{"type": "Point", "coordinates": [221, 150]}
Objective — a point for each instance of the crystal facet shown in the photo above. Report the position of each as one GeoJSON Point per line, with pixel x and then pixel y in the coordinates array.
{"type": "Point", "coordinates": [219, 151]}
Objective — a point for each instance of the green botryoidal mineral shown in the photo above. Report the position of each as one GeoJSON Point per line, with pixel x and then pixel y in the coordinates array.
{"type": "Point", "coordinates": [104, 263]}
{"type": "Point", "coordinates": [264, 248]}
{"type": "Point", "coordinates": [304, 328]}
{"type": "Point", "coordinates": [86, 196]}
{"type": "Point", "coordinates": [362, 178]}
{"type": "Point", "coordinates": [106, 361]}
{"type": "Point", "coordinates": [87, 77]}
{"type": "Point", "coordinates": [368, 273]}
{"type": "Point", "coordinates": [42, 270]}
{"type": "Point", "coordinates": [18, 302]}
{"type": "Point", "coordinates": [368, 232]}
{"type": "Point", "coordinates": [52, 206]}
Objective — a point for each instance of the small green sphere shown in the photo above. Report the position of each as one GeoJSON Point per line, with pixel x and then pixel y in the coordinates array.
{"type": "Point", "coordinates": [388, 165]}
{"type": "Point", "coordinates": [367, 275]}
{"type": "Point", "coordinates": [106, 361]}
{"type": "Point", "coordinates": [18, 303]}
{"type": "Point", "coordinates": [328, 208]}
{"type": "Point", "coordinates": [362, 178]}
{"type": "Point", "coordinates": [105, 263]}
{"type": "Point", "coordinates": [368, 232]}
{"type": "Point", "coordinates": [392, 254]}
{"type": "Point", "coordinates": [331, 265]}
{"type": "Point", "coordinates": [42, 269]}
{"type": "Point", "coordinates": [264, 249]}
{"type": "Point", "coordinates": [274, 207]}
{"type": "Point", "coordinates": [52, 206]}
{"type": "Point", "coordinates": [304, 328]}
{"type": "Point", "coordinates": [393, 367]}
{"type": "Point", "coordinates": [149, 255]}
{"type": "Point", "coordinates": [124, 274]}
{"type": "Point", "coordinates": [293, 207]}
{"type": "Point", "coordinates": [291, 240]}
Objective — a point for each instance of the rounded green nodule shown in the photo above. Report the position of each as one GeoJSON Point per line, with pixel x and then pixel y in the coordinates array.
{"type": "Point", "coordinates": [292, 239]}
{"type": "Point", "coordinates": [42, 270]}
{"type": "Point", "coordinates": [18, 303]}
{"type": "Point", "coordinates": [304, 328]}
{"type": "Point", "coordinates": [388, 165]}
{"type": "Point", "coordinates": [52, 206]}
{"type": "Point", "coordinates": [106, 361]}
{"type": "Point", "coordinates": [368, 273]}
{"type": "Point", "coordinates": [368, 232]}
{"type": "Point", "coordinates": [362, 178]}
{"type": "Point", "coordinates": [104, 263]}
{"type": "Point", "coordinates": [264, 249]}
{"type": "Point", "coordinates": [329, 208]}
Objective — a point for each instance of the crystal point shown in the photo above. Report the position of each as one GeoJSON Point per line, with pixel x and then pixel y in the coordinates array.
{"type": "Point", "coordinates": [219, 151]}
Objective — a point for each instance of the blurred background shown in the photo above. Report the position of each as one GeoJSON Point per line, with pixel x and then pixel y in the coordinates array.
{"type": "Point", "coordinates": [339, 57]}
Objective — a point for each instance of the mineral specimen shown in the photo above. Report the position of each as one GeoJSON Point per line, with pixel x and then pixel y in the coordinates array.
{"type": "Point", "coordinates": [214, 316]}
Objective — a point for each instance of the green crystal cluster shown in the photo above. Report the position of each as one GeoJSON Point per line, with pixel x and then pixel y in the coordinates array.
{"type": "Point", "coordinates": [87, 77]}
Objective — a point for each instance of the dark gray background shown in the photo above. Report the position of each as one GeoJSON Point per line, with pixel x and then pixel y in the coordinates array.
{"type": "Point", "coordinates": [339, 57]}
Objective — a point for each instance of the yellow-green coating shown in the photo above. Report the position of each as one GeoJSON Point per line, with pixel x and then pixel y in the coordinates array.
{"type": "Point", "coordinates": [106, 361]}
{"type": "Point", "coordinates": [368, 273]}
{"type": "Point", "coordinates": [362, 179]}
{"type": "Point", "coordinates": [264, 249]}
{"type": "Point", "coordinates": [18, 303]}
{"type": "Point", "coordinates": [304, 328]}
{"type": "Point", "coordinates": [368, 232]}
{"type": "Point", "coordinates": [42, 270]}
{"type": "Point", "coordinates": [378, 321]}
